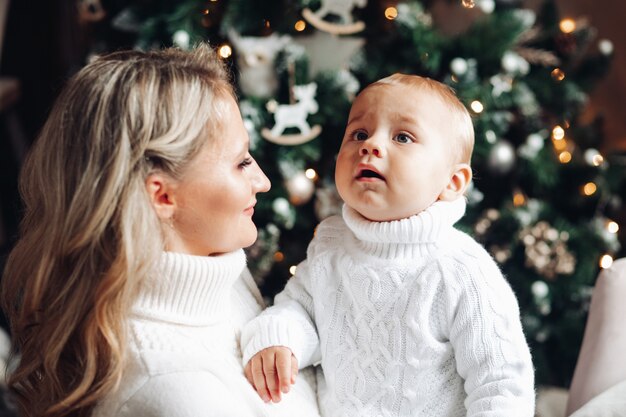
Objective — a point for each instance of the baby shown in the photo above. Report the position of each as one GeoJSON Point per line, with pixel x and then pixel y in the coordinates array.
{"type": "Point", "coordinates": [407, 315]}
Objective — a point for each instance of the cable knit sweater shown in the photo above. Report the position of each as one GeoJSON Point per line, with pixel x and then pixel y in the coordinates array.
{"type": "Point", "coordinates": [408, 318]}
{"type": "Point", "coordinates": [184, 355]}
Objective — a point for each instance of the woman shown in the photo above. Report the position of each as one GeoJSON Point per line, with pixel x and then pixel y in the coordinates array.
{"type": "Point", "coordinates": [123, 291]}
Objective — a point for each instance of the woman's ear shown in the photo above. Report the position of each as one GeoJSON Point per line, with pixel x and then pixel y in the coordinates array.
{"type": "Point", "coordinates": [459, 181]}
{"type": "Point", "coordinates": [160, 191]}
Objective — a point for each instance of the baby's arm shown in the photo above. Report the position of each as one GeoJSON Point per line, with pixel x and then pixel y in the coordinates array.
{"type": "Point", "coordinates": [491, 352]}
{"type": "Point", "coordinates": [272, 371]}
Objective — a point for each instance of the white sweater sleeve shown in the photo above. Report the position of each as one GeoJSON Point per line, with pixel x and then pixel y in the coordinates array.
{"type": "Point", "coordinates": [289, 322]}
{"type": "Point", "coordinates": [490, 348]}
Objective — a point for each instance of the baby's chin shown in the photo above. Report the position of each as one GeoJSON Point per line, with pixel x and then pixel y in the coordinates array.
{"type": "Point", "coordinates": [373, 216]}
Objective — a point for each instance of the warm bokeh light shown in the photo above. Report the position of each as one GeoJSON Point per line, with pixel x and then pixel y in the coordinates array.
{"type": "Point", "coordinates": [565, 157]}
{"type": "Point", "coordinates": [589, 188]}
{"type": "Point", "coordinates": [310, 174]}
{"type": "Point", "coordinates": [477, 106]}
{"type": "Point", "coordinates": [606, 261]}
{"type": "Point", "coordinates": [205, 11]}
{"type": "Point", "coordinates": [612, 227]}
{"type": "Point", "coordinates": [267, 24]}
{"type": "Point", "coordinates": [300, 25]}
{"type": "Point", "coordinates": [225, 51]}
{"type": "Point", "coordinates": [519, 199]}
{"type": "Point", "coordinates": [558, 74]}
{"type": "Point", "coordinates": [391, 13]}
{"type": "Point", "coordinates": [468, 4]}
{"type": "Point", "coordinates": [279, 256]}
{"type": "Point", "coordinates": [598, 160]}
{"type": "Point", "coordinates": [560, 144]}
{"type": "Point", "coordinates": [567, 25]}
{"type": "Point", "coordinates": [558, 132]}
{"type": "Point", "coordinates": [292, 269]}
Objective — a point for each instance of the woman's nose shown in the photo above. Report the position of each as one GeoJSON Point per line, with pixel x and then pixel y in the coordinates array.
{"type": "Point", "coordinates": [262, 184]}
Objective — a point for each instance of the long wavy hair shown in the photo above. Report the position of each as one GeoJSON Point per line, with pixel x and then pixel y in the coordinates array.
{"type": "Point", "coordinates": [89, 234]}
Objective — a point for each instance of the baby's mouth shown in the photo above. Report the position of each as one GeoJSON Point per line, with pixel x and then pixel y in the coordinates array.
{"type": "Point", "coordinates": [368, 173]}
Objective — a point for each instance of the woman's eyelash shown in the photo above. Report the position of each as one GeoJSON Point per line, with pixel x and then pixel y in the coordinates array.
{"type": "Point", "coordinates": [246, 162]}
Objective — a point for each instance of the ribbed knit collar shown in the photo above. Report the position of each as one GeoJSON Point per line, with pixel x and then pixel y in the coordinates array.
{"type": "Point", "coordinates": [413, 237]}
{"type": "Point", "coordinates": [192, 290]}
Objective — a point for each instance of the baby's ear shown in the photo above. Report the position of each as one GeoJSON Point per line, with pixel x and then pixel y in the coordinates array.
{"type": "Point", "coordinates": [459, 181]}
{"type": "Point", "coordinates": [160, 191]}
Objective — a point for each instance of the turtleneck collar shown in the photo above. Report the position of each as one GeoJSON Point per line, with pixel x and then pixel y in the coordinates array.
{"type": "Point", "coordinates": [414, 237]}
{"type": "Point", "coordinates": [191, 290]}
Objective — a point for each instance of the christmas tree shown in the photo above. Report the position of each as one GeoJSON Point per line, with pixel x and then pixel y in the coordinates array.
{"type": "Point", "coordinates": [543, 196]}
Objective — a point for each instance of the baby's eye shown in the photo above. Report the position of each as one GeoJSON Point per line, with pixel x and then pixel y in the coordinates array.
{"type": "Point", "coordinates": [359, 135]}
{"type": "Point", "coordinates": [403, 138]}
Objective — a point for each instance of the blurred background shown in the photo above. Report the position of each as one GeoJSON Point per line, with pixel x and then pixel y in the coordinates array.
{"type": "Point", "coordinates": [544, 80]}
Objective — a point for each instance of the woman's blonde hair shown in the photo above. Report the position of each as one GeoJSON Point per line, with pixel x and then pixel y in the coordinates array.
{"type": "Point", "coordinates": [89, 234]}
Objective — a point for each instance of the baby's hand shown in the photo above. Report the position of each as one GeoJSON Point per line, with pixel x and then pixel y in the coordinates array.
{"type": "Point", "coordinates": [271, 371]}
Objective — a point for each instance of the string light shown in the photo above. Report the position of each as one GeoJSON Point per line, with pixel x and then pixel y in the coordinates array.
{"type": "Point", "coordinates": [279, 256]}
{"type": "Point", "coordinates": [477, 106]}
{"type": "Point", "coordinates": [519, 199]}
{"type": "Point", "coordinates": [589, 189]}
{"type": "Point", "coordinates": [612, 227]}
{"type": "Point", "coordinates": [225, 51]}
{"type": "Point", "coordinates": [560, 144]}
{"type": "Point", "coordinates": [558, 132]}
{"type": "Point", "coordinates": [567, 25]}
{"type": "Point", "coordinates": [557, 74]}
{"type": "Point", "coordinates": [267, 24]}
{"type": "Point", "coordinates": [391, 13]}
{"type": "Point", "coordinates": [300, 25]}
{"type": "Point", "coordinates": [468, 4]}
{"type": "Point", "coordinates": [565, 157]}
{"type": "Point", "coordinates": [597, 160]}
{"type": "Point", "coordinates": [310, 174]}
{"type": "Point", "coordinates": [292, 269]}
{"type": "Point", "coordinates": [205, 12]}
{"type": "Point", "coordinates": [606, 261]}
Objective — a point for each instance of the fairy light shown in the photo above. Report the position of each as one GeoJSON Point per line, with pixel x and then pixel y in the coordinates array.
{"type": "Point", "coordinates": [597, 160]}
{"type": "Point", "coordinates": [606, 261]}
{"type": "Point", "coordinates": [300, 25]}
{"type": "Point", "coordinates": [558, 132]}
{"type": "Point", "coordinates": [477, 106]}
{"type": "Point", "coordinates": [267, 24]}
{"type": "Point", "coordinates": [518, 199]}
{"type": "Point", "coordinates": [279, 256]}
{"type": "Point", "coordinates": [225, 51]}
{"type": "Point", "coordinates": [567, 25]}
{"type": "Point", "coordinates": [205, 12]}
{"type": "Point", "coordinates": [310, 174]}
{"type": "Point", "coordinates": [557, 74]}
{"type": "Point", "coordinates": [560, 144]}
{"type": "Point", "coordinates": [391, 13]}
{"type": "Point", "coordinates": [292, 269]}
{"type": "Point", "coordinates": [589, 189]}
{"type": "Point", "coordinates": [565, 157]}
{"type": "Point", "coordinates": [468, 4]}
{"type": "Point", "coordinates": [612, 227]}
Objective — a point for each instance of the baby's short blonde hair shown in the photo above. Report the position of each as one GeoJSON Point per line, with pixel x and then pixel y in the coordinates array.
{"type": "Point", "coordinates": [461, 119]}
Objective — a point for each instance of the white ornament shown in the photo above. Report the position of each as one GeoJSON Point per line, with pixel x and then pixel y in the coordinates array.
{"type": "Point", "coordinates": [294, 115]}
{"type": "Point", "coordinates": [605, 46]}
{"type": "Point", "coordinates": [534, 143]}
{"type": "Point", "coordinates": [501, 84]}
{"type": "Point", "coordinates": [491, 136]}
{"type": "Point", "coordinates": [487, 6]}
{"type": "Point", "coordinates": [526, 16]}
{"type": "Point", "coordinates": [502, 157]}
{"type": "Point", "coordinates": [340, 8]}
{"type": "Point", "coordinates": [458, 66]}
{"type": "Point", "coordinates": [513, 63]}
{"type": "Point", "coordinates": [181, 39]}
{"type": "Point", "coordinates": [300, 188]}
{"type": "Point", "coordinates": [255, 60]}
{"type": "Point", "coordinates": [281, 206]}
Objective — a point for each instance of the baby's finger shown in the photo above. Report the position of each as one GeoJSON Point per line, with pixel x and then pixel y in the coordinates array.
{"type": "Point", "coordinates": [283, 367]}
{"type": "Point", "coordinates": [247, 371]}
{"type": "Point", "coordinates": [258, 378]}
{"type": "Point", "coordinates": [271, 377]}
{"type": "Point", "coordinates": [294, 369]}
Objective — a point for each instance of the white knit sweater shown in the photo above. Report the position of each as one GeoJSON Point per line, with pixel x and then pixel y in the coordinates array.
{"type": "Point", "coordinates": [409, 318]}
{"type": "Point", "coordinates": [184, 355]}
